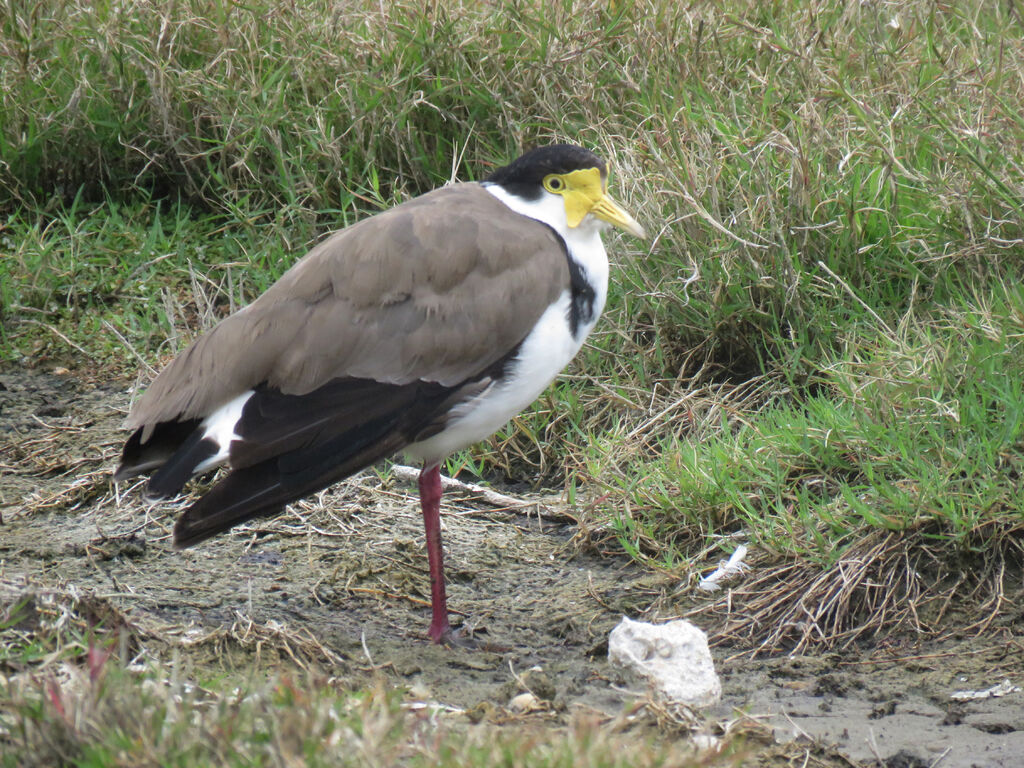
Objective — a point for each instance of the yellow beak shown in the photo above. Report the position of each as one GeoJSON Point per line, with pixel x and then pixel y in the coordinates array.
{"type": "Point", "coordinates": [586, 194]}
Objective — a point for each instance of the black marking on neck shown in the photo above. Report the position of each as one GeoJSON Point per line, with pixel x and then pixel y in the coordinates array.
{"type": "Point", "coordinates": [581, 308]}
{"type": "Point", "coordinates": [582, 293]}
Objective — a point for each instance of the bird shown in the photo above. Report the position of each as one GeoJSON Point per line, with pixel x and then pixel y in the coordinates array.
{"type": "Point", "coordinates": [423, 328]}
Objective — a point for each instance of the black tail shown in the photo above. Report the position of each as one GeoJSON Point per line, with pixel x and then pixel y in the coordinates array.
{"type": "Point", "coordinates": [138, 458]}
{"type": "Point", "coordinates": [244, 494]}
{"type": "Point", "coordinates": [168, 481]}
{"type": "Point", "coordinates": [264, 489]}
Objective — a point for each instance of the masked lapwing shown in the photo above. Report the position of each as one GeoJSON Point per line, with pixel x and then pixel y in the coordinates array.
{"type": "Point", "coordinates": [423, 328]}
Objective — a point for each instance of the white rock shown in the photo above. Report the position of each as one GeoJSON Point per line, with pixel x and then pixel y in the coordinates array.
{"type": "Point", "coordinates": [524, 702]}
{"type": "Point", "coordinates": [672, 658]}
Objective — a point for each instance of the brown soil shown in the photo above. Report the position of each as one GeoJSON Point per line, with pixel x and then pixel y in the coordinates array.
{"type": "Point", "coordinates": [339, 582]}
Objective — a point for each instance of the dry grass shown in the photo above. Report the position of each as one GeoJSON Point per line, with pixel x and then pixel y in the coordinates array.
{"type": "Point", "coordinates": [885, 585]}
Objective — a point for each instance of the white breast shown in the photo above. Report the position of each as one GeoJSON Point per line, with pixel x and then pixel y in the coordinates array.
{"type": "Point", "coordinates": [542, 356]}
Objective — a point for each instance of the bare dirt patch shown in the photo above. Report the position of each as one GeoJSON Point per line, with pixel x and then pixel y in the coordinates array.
{"type": "Point", "coordinates": [339, 583]}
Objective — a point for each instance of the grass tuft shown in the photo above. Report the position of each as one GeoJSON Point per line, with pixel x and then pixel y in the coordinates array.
{"type": "Point", "coordinates": [882, 585]}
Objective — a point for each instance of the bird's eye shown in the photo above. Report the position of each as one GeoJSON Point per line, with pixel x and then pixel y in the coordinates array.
{"type": "Point", "coordinates": [553, 183]}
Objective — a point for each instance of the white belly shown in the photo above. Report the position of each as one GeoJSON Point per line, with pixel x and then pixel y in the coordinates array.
{"type": "Point", "coordinates": [542, 356]}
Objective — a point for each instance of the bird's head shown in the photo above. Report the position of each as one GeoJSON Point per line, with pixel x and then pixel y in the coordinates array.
{"type": "Point", "coordinates": [575, 175]}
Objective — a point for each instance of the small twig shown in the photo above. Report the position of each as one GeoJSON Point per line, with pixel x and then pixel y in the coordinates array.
{"type": "Point", "coordinates": [858, 299]}
{"type": "Point", "coordinates": [704, 214]}
{"type": "Point", "coordinates": [366, 650]}
{"type": "Point", "coordinates": [593, 594]}
{"type": "Point", "coordinates": [53, 330]}
{"type": "Point", "coordinates": [396, 596]}
{"type": "Point", "coordinates": [659, 416]}
{"type": "Point", "coordinates": [873, 746]}
{"type": "Point", "coordinates": [727, 568]}
{"type": "Point", "coordinates": [56, 427]}
{"type": "Point", "coordinates": [796, 727]}
{"type": "Point", "coordinates": [145, 363]}
{"type": "Point", "coordinates": [486, 495]}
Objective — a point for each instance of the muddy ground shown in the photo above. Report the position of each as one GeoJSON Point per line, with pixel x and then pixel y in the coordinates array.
{"type": "Point", "coordinates": [339, 583]}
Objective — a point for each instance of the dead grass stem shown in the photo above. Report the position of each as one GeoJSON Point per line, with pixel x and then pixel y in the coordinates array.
{"type": "Point", "coordinates": [885, 584]}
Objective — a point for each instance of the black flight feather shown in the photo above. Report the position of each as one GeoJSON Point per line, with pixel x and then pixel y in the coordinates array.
{"type": "Point", "coordinates": [294, 445]}
{"type": "Point", "coordinates": [168, 481]}
{"type": "Point", "coordinates": [137, 458]}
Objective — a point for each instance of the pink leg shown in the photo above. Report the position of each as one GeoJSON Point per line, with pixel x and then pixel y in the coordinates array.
{"type": "Point", "coordinates": [430, 502]}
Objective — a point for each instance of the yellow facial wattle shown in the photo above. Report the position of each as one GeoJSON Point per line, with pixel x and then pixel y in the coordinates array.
{"type": "Point", "coordinates": [583, 192]}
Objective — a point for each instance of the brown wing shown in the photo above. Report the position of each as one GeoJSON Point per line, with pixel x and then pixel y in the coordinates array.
{"type": "Point", "coordinates": [437, 289]}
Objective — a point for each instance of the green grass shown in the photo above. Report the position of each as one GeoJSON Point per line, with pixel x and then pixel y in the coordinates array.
{"type": "Point", "coordinates": [821, 339]}
{"type": "Point", "coordinates": [921, 430]}
{"type": "Point", "coordinates": [151, 269]}
{"type": "Point", "coordinates": [820, 344]}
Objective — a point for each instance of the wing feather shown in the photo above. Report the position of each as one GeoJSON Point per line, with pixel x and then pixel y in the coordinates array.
{"type": "Point", "coordinates": [293, 445]}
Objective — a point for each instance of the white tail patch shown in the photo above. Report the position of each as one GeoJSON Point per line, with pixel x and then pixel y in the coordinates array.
{"type": "Point", "coordinates": [219, 426]}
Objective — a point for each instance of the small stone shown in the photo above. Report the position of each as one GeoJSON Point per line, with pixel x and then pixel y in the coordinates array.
{"type": "Point", "coordinates": [419, 691]}
{"type": "Point", "coordinates": [705, 741]}
{"type": "Point", "coordinates": [673, 659]}
{"type": "Point", "coordinates": [524, 702]}
{"type": "Point", "coordinates": [479, 712]}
